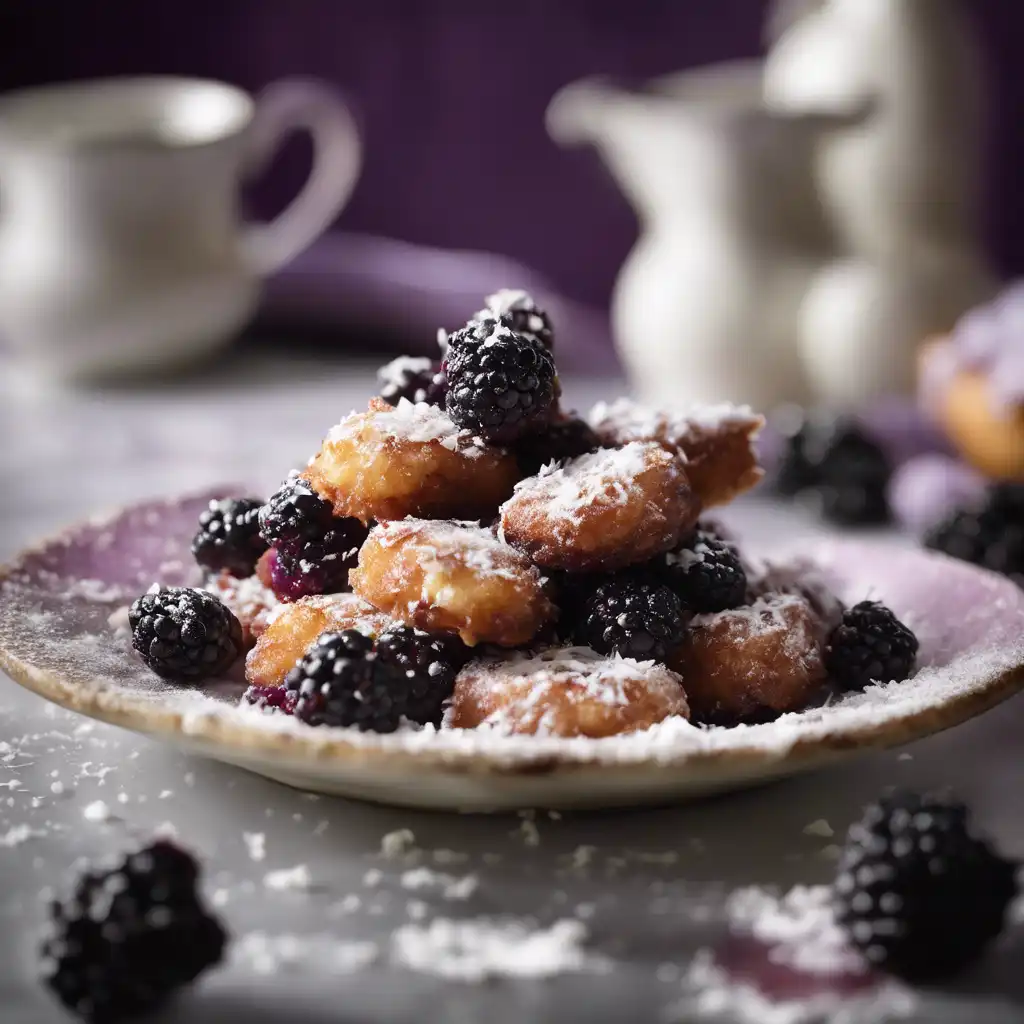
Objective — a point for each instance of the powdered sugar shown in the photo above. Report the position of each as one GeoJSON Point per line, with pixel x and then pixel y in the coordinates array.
{"type": "Point", "coordinates": [625, 420]}
{"type": "Point", "coordinates": [408, 421]}
{"type": "Point", "coordinates": [442, 541]}
{"type": "Point", "coordinates": [255, 604]}
{"type": "Point", "coordinates": [476, 949]}
{"type": "Point", "coordinates": [606, 477]}
{"type": "Point", "coordinates": [798, 931]}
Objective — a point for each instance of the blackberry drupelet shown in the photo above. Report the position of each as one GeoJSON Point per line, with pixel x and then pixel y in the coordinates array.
{"type": "Point", "coordinates": [185, 634]}
{"type": "Point", "coordinates": [869, 646]}
{"type": "Point", "coordinates": [313, 548]}
{"type": "Point", "coordinates": [412, 378]}
{"type": "Point", "coordinates": [522, 310]}
{"type": "Point", "coordinates": [129, 937]}
{"type": "Point", "coordinates": [633, 617]}
{"type": "Point", "coordinates": [917, 893]}
{"type": "Point", "coordinates": [854, 476]}
{"type": "Point", "coordinates": [340, 681]}
{"type": "Point", "coordinates": [277, 698]}
{"type": "Point", "coordinates": [430, 661]}
{"type": "Point", "coordinates": [990, 534]}
{"type": "Point", "coordinates": [566, 438]}
{"type": "Point", "coordinates": [229, 538]}
{"type": "Point", "coordinates": [501, 385]}
{"type": "Point", "coordinates": [706, 574]}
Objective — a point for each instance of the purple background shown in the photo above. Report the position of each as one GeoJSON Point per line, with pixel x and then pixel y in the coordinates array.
{"type": "Point", "coordinates": [450, 97]}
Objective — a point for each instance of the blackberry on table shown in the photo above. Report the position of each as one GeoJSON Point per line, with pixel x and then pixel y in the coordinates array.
{"type": "Point", "coordinates": [185, 634]}
{"type": "Point", "coordinates": [341, 682]}
{"type": "Point", "coordinates": [797, 468]}
{"type": "Point", "coordinates": [413, 378]}
{"type": "Point", "coordinates": [566, 438]}
{"type": "Point", "coordinates": [522, 310]}
{"type": "Point", "coordinates": [633, 617]}
{"type": "Point", "coordinates": [501, 385]}
{"type": "Point", "coordinates": [127, 938]}
{"type": "Point", "coordinates": [854, 479]}
{"type": "Point", "coordinates": [430, 661]}
{"type": "Point", "coordinates": [916, 891]}
{"type": "Point", "coordinates": [706, 574]}
{"type": "Point", "coordinates": [228, 538]}
{"type": "Point", "coordinates": [990, 534]}
{"type": "Point", "coordinates": [870, 645]}
{"type": "Point", "coordinates": [313, 548]}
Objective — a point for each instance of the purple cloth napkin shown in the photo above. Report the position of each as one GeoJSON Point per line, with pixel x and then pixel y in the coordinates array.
{"type": "Point", "coordinates": [392, 288]}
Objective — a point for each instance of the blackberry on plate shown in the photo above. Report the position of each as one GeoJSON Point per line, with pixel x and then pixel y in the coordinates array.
{"type": "Point", "coordinates": [633, 617]}
{"type": "Point", "coordinates": [706, 574]}
{"type": "Point", "coordinates": [501, 385]}
{"type": "Point", "coordinates": [430, 661]}
{"type": "Point", "coordinates": [916, 891]}
{"type": "Point", "coordinates": [522, 310]}
{"type": "Point", "coordinates": [870, 645]}
{"type": "Point", "coordinates": [566, 438]}
{"type": "Point", "coordinates": [127, 938]}
{"type": "Point", "coordinates": [414, 378]}
{"type": "Point", "coordinates": [185, 634]}
{"type": "Point", "coordinates": [990, 534]}
{"type": "Point", "coordinates": [228, 538]}
{"type": "Point", "coordinates": [340, 681]}
{"type": "Point", "coordinates": [313, 549]}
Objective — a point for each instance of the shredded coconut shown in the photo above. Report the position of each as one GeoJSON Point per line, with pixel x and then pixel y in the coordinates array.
{"type": "Point", "coordinates": [267, 954]}
{"type": "Point", "coordinates": [98, 811]}
{"type": "Point", "coordinates": [451, 888]}
{"type": "Point", "coordinates": [476, 949]}
{"type": "Point", "coordinates": [396, 844]}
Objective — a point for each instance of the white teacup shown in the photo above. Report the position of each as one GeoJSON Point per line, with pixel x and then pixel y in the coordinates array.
{"type": "Point", "coordinates": [121, 244]}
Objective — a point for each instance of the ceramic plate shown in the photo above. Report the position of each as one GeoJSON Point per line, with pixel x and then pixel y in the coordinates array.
{"type": "Point", "coordinates": [60, 604]}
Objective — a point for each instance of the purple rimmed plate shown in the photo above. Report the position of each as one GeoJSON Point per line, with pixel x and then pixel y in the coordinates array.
{"type": "Point", "coordinates": [61, 603]}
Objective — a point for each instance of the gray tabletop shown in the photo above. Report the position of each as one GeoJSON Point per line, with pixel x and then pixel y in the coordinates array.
{"type": "Point", "coordinates": [649, 885]}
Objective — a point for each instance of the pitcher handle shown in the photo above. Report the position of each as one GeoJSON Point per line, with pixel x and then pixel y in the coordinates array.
{"type": "Point", "coordinates": [294, 105]}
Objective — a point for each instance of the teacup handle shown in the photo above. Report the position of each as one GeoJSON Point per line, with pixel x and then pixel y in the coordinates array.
{"type": "Point", "coordinates": [284, 107]}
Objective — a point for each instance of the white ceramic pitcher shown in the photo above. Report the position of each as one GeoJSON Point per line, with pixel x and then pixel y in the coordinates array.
{"type": "Point", "coordinates": [731, 231]}
{"type": "Point", "coordinates": [121, 244]}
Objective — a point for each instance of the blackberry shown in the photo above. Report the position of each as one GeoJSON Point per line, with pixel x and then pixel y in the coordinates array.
{"type": "Point", "coordinates": [566, 438]}
{"type": "Point", "coordinates": [838, 463]}
{"type": "Point", "coordinates": [313, 548]}
{"type": "Point", "coordinates": [918, 894]}
{"type": "Point", "coordinates": [797, 468]}
{"type": "Point", "coordinates": [633, 617]}
{"type": "Point", "coordinates": [990, 534]}
{"type": "Point", "coordinates": [870, 645]}
{"type": "Point", "coordinates": [430, 661]}
{"type": "Point", "coordinates": [340, 681]}
{"type": "Point", "coordinates": [522, 310]}
{"type": "Point", "coordinates": [412, 378]}
{"type": "Point", "coordinates": [229, 538]}
{"type": "Point", "coordinates": [706, 574]}
{"type": "Point", "coordinates": [129, 937]}
{"type": "Point", "coordinates": [854, 479]}
{"type": "Point", "coordinates": [501, 385]}
{"type": "Point", "coordinates": [185, 634]}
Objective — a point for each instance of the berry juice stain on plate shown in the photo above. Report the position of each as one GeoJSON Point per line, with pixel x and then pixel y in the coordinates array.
{"type": "Point", "coordinates": [473, 597]}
